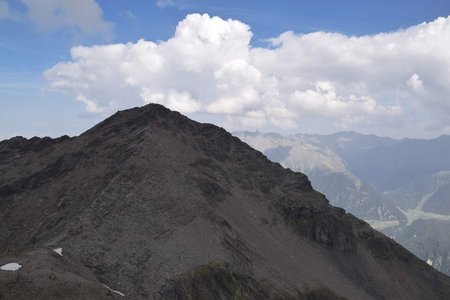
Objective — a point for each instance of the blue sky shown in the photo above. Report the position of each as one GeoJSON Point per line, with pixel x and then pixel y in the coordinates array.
{"type": "Point", "coordinates": [36, 37]}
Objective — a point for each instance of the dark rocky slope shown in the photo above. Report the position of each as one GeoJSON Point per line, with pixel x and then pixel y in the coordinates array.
{"type": "Point", "coordinates": [155, 205]}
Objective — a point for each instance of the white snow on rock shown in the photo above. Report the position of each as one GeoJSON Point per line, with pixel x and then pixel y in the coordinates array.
{"type": "Point", "coordinates": [430, 262]}
{"type": "Point", "coordinates": [11, 267]}
{"type": "Point", "coordinates": [114, 291]}
{"type": "Point", "coordinates": [58, 250]}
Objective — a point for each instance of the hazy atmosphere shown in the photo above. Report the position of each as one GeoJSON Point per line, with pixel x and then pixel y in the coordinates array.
{"type": "Point", "coordinates": [285, 66]}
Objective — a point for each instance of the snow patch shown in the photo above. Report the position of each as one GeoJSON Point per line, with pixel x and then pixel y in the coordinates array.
{"type": "Point", "coordinates": [114, 291]}
{"type": "Point", "coordinates": [58, 250]}
{"type": "Point", "coordinates": [430, 262]}
{"type": "Point", "coordinates": [11, 267]}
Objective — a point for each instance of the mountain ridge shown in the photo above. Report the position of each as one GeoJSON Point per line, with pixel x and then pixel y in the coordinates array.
{"type": "Point", "coordinates": [156, 205]}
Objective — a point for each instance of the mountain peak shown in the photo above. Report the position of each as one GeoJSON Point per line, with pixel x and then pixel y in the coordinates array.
{"type": "Point", "coordinates": [139, 117]}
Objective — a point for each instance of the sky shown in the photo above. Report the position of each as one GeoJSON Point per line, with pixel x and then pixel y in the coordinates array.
{"type": "Point", "coordinates": [304, 66]}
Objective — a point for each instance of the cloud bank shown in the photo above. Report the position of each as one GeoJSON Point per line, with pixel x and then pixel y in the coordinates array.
{"type": "Point", "coordinates": [398, 80]}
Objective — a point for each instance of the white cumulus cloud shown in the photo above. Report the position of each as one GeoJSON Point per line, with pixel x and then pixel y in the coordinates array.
{"type": "Point", "coordinates": [415, 83]}
{"type": "Point", "coordinates": [327, 79]}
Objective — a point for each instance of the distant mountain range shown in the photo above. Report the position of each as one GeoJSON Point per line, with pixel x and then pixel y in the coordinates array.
{"type": "Point", "coordinates": [149, 204]}
{"type": "Point", "coordinates": [398, 186]}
